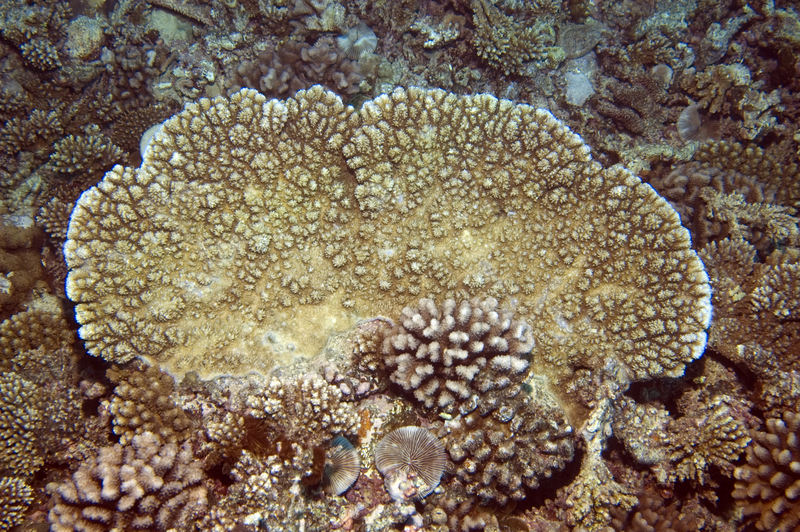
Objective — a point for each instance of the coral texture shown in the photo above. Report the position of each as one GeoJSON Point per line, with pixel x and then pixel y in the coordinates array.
{"type": "Point", "coordinates": [312, 401]}
{"type": "Point", "coordinates": [15, 497]}
{"type": "Point", "coordinates": [452, 354]}
{"type": "Point", "coordinates": [20, 419]}
{"type": "Point", "coordinates": [768, 486]}
{"type": "Point", "coordinates": [145, 485]}
{"type": "Point", "coordinates": [598, 262]}
{"type": "Point", "coordinates": [142, 402]}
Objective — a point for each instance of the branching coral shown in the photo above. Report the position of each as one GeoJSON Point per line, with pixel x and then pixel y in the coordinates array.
{"type": "Point", "coordinates": [313, 401]}
{"type": "Point", "coordinates": [20, 419]}
{"type": "Point", "coordinates": [767, 487]}
{"type": "Point", "coordinates": [86, 153]}
{"type": "Point", "coordinates": [297, 66]}
{"type": "Point", "coordinates": [145, 485]}
{"type": "Point", "coordinates": [143, 402]}
{"type": "Point", "coordinates": [510, 46]}
{"type": "Point", "coordinates": [266, 218]}
{"type": "Point", "coordinates": [15, 497]}
{"type": "Point", "coordinates": [754, 302]}
{"type": "Point", "coordinates": [454, 354]}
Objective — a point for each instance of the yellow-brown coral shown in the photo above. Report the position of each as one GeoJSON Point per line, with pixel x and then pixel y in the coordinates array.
{"type": "Point", "coordinates": [15, 497]}
{"type": "Point", "coordinates": [20, 418]}
{"type": "Point", "coordinates": [255, 228]}
{"type": "Point", "coordinates": [768, 486]}
{"type": "Point", "coordinates": [143, 402]}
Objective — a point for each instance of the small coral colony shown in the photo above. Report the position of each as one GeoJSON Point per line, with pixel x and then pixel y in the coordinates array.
{"type": "Point", "coordinates": [440, 265]}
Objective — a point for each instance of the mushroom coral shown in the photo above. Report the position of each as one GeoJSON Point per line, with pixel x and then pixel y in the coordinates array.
{"type": "Point", "coordinates": [255, 228]}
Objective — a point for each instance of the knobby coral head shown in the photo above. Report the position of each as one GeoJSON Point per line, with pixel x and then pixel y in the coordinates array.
{"type": "Point", "coordinates": [254, 228]}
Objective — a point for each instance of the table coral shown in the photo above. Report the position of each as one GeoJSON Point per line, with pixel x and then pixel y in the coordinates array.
{"type": "Point", "coordinates": [255, 228]}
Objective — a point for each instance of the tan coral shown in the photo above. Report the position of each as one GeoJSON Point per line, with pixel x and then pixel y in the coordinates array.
{"type": "Point", "coordinates": [754, 302]}
{"type": "Point", "coordinates": [20, 419]}
{"type": "Point", "coordinates": [510, 46]}
{"type": "Point", "coordinates": [15, 497]}
{"type": "Point", "coordinates": [310, 411]}
{"type": "Point", "coordinates": [143, 402]}
{"type": "Point", "coordinates": [54, 218]}
{"type": "Point", "coordinates": [85, 153]}
{"type": "Point", "coordinates": [247, 237]}
{"type": "Point", "coordinates": [147, 484]}
{"type": "Point", "coordinates": [768, 486]}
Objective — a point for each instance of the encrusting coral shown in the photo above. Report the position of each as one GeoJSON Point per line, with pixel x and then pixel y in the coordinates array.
{"type": "Point", "coordinates": [768, 486]}
{"type": "Point", "coordinates": [144, 485]}
{"type": "Point", "coordinates": [254, 221]}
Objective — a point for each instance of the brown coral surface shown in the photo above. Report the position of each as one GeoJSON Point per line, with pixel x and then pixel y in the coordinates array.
{"type": "Point", "coordinates": [255, 228]}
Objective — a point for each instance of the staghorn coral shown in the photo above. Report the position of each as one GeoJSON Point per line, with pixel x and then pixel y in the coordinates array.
{"type": "Point", "coordinates": [316, 403]}
{"type": "Point", "coordinates": [38, 130]}
{"type": "Point", "coordinates": [41, 54]}
{"type": "Point", "coordinates": [145, 485]}
{"type": "Point", "coordinates": [450, 355]}
{"type": "Point", "coordinates": [734, 191]}
{"type": "Point", "coordinates": [510, 46]}
{"type": "Point", "coordinates": [776, 168]}
{"type": "Point", "coordinates": [653, 514]}
{"type": "Point", "coordinates": [20, 419]}
{"type": "Point", "coordinates": [708, 434]}
{"type": "Point", "coordinates": [767, 486]}
{"type": "Point", "coordinates": [266, 218]}
{"type": "Point", "coordinates": [142, 402]}
{"type": "Point", "coordinates": [15, 497]}
{"type": "Point", "coordinates": [86, 153]}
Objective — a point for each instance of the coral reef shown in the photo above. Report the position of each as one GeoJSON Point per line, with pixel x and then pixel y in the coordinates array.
{"type": "Point", "coordinates": [766, 486]}
{"type": "Point", "coordinates": [597, 261]}
{"type": "Point", "coordinates": [142, 402]}
{"type": "Point", "coordinates": [15, 497]}
{"type": "Point", "coordinates": [259, 250]}
{"type": "Point", "coordinates": [20, 420]}
{"type": "Point", "coordinates": [147, 485]}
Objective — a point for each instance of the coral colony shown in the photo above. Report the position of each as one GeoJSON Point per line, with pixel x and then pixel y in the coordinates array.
{"type": "Point", "coordinates": [452, 266]}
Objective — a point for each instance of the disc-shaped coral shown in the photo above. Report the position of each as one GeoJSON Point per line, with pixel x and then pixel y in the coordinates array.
{"type": "Point", "coordinates": [411, 453]}
{"type": "Point", "coordinates": [254, 228]}
{"type": "Point", "coordinates": [342, 466]}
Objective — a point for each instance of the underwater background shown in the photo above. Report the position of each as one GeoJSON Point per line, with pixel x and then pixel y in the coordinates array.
{"type": "Point", "coordinates": [456, 265]}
